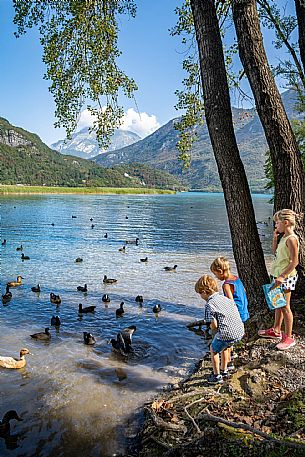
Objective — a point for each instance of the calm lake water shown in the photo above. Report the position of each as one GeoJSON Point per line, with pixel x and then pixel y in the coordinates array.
{"type": "Point", "coordinates": [78, 400]}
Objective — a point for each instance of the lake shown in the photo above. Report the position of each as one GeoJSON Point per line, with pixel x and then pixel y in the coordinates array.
{"type": "Point", "coordinates": [81, 400]}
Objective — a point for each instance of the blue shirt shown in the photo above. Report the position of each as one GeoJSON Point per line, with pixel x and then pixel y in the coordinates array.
{"type": "Point", "coordinates": [240, 297]}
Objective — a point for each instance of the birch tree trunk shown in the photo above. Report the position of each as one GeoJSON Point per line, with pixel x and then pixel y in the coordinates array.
{"type": "Point", "coordinates": [247, 248]}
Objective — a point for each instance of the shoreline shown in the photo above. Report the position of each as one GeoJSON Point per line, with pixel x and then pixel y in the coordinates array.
{"type": "Point", "coordinates": [49, 190]}
{"type": "Point", "coordinates": [258, 410]}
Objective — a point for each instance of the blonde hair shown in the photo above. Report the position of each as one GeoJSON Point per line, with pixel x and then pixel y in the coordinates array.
{"type": "Point", "coordinates": [206, 284]}
{"type": "Point", "coordinates": [221, 264]}
{"type": "Point", "coordinates": [285, 215]}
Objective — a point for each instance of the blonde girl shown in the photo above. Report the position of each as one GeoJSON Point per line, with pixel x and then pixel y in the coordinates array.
{"type": "Point", "coordinates": [283, 271]}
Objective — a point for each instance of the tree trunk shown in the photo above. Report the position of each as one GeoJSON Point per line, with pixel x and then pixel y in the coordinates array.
{"type": "Point", "coordinates": [300, 10]}
{"type": "Point", "coordinates": [284, 152]}
{"type": "Point", "coordinates": [247, 248]}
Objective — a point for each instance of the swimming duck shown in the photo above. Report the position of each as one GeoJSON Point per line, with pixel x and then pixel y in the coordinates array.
{"type": "Point", "coordinates": [139, 299]}
{"type": "Point", "coordinates": [106, 298]}
{"type": "Point", "coordinates": [144, 260]}
{"type": "Point", "coordinates": [55, 320]}
{"type": "Point", "coordinates": [10, 362]}
{"type": "Point", "coordinates": [44, 336]}
{"type": "Point", "coordinates": [109, 280]}
{"type": "Point", "coordinates": [106, 235]}
{"type": "Point", "coordinates": [122, 249]}
{"type": "Point", "coordinates": [126, 217]}
{"type": "Point", "coordinates": [91, 219]}
{"type": "Point", "coordinates": [89, 338]}
{"type": "Point", "coordinates": [74, 217]}
{"type": "Point", "coordinates": [20, 248]}
{"type": "Point", "coordinates": [36, 289]}
{"type": "Point", "coordinates": [52, 224]}
{"type": "Point", "coordinates": [15, 283]}
{"type": "Point", "coordinates": [5, 423]}
{"type": "Point", "coordinates": [88, 309]}
{"type": "Point", "coordinates": [127, 334]}
{"type": "Point", "coordinates": [120, 311]}
{"type": "Point", "coordinates": [78, 259]}
{"type": "Point", "coordinates": [3, 242]}
{"type": "Point", "coordinates": [136, 241]}
{"type": "Point", "coordinates": [118, 344]}
{"type": "Point", "coordinates": [170, 268]}
{"type": "Point", "coordinates": [82, 289]}
{"type": "Point", "coordinates": [55, 299]}
{"type": "Point", "coordinates": [157, 309]}
{"type": "Point", "coordinates": [7, 296]}
{"type": "Point", "coordinates": [24, 257]}
{"type": "Point", "coordinates": [92, 226]}
{"type": "Point", "coordinates": [122, 343]}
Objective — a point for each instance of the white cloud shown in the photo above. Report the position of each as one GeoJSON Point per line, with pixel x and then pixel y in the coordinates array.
{"type": "Point", "coordinates": [141, 123]}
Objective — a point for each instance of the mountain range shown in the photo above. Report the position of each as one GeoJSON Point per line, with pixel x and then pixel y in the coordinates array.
{"type": "Point", "coordinates": [159, 150]}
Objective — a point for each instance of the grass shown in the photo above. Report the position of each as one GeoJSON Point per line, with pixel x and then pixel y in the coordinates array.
{"type": "Point", "coordinates": [24, 189]}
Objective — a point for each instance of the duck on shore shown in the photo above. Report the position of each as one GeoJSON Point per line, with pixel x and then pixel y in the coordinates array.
{"type": "Point", "coordinates": [89, 338]}
{"type": "Point", "coordinates": [16, 283]}
{"type": "Point", "coordinates": [10, 362]}
{"type": "Point", "coordinates": [82, 288]}
{"type": "Point", "coordinates": [87, 309]}
{"type": "Point", "coordinates": [120, 311]}
{"type": "Point", "coordinates": [36, 288]}
{"type": "Point", "coordinates": [109, 280]}
{"type": "Point", "coordinates": [55, 299]}
{"type": "Point", "coordinates": [43, 336]}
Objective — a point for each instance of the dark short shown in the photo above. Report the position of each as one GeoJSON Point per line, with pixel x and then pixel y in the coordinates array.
{"type": "Point", "coordinates": [220, 345]}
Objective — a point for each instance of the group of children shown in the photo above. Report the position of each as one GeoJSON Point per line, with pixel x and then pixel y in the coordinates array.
{"type": "Point", "coordinates": [227, 313]}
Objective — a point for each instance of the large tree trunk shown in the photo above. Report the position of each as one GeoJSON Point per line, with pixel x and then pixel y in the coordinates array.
{"type": "Point", "coordinates": [300, 10]}
{"type": "Point", "coordinates": [247, 248]}
{"type": "Point", "coordinates": [284, 152]}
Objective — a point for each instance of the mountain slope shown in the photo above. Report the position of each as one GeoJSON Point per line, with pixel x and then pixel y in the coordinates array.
{"type": "Point", "coordinates": [25, 159]}
{"type": "Point", "coordinates": [159, 150]}
{"type": "Point", "coordinates": [84, 143]}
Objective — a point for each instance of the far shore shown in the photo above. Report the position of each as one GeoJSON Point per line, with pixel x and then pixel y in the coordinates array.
{"type": "Point", "coordinates": [25, 190]}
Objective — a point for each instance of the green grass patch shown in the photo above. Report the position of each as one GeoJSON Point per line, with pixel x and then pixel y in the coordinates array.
{"type": "Point", "coordinates": [21, 190]}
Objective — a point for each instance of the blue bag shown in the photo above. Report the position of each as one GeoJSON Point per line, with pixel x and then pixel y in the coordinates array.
{"type": "Point", "coordinates": [275, 296]}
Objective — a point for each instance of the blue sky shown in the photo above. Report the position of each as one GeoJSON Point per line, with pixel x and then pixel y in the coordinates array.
{"type": "Point", "coordinates": [150, 55]}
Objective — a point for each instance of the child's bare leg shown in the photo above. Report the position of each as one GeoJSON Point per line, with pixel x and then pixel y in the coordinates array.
{"type": "Point", "coordinates": [225, 357]}
{"type": "Point", "coordinates": [278, 320]}
{"type": "Point", "coordinates": [215, 361]}
{"type": "Point", "coordinates": [287, 315]}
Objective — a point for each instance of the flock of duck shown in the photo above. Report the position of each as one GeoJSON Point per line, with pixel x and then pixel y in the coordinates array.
{"type": "Point", "coordinates": [123, 340]}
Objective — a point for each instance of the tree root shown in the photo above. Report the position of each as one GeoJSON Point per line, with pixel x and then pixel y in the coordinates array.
{"type": "Point", "coordinates": [160, 423]}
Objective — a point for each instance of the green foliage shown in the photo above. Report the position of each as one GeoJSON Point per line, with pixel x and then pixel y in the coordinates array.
{"type": "Point", "coordinates": [79, 40]}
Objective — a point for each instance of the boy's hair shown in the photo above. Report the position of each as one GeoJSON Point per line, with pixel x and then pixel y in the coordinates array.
{"type": "Point", "coordinates": [221, 263]}
{"type": "Point", "coordinates": [206, 284]}
{"type": "Point", "coordinates": [285, 215]}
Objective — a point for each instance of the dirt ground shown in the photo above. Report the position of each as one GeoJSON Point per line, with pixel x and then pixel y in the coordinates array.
{"type": "Point", "coordinates": [258, 411]}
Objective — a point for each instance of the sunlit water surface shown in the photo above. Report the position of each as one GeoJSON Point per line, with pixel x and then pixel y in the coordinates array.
{"type": "Point", "coordinates": [79, 400]}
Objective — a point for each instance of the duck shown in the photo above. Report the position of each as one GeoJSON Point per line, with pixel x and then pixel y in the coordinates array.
{"type": "Point", "coordinates": [74, 217]}
{"type": "Point", "coordinates": [5, 422]}
{"type": "Point", "coordinates": [144, 260]}
{"type": "Point", "coordinates": [78, 259]}
{"type": "Point", "coordinates": [122, 343]}
{"type": "Point", "coordinates": [109, 280]}
{"type": "Point", "coordinates": [118, 344]}
{"type": "Point", "coordinates": [52, 224]}
{"type": "Point", "coordinates": [10, 362]}
{"type": "Point", "coordinates": [120, 311]}
{"type": "Point", "coordinates": [91, 219]}
{"type": "Point", "coordinates": [89, 338]}
{"type": "Point", "coordinates": [44, 336]}
{"type": "Point", "coordinates": [157, 309]}
{"type": "Point", "coordinates": [55, 299]}
{"type": "Point", "coordinates": [3, 242]}
{"type": "Point", "coordinates": [123, 249]}
{"type": "Point", "coordinates": [136, 241]}
{"type": "Point", "coordinates": [106, 298]}
{"type": "Point", "coordinates": [92, 226]}
{"type": "Point", "coordinates": [139, 299]}
{"type": "Point", "coordinates": [170, 268]}
{"type": "Point", "coordinates": [106, 235]}
{"type": "Point", "coordinates": [7, 296]}
{"type": "Point", "coordinates": [55, 320]}
{"type": "Point", "coordinates": [88, 309]}
{"type": "Point", "coordinates": [16, 283]}
{"type": "Point", "coordinates": [126, 217]}
{"type": "Point", "coordinates": [24, 257]}
{"type": "Point", "coordinates": [19, 248]}
{"type": "Point", "coordinates": [82, 289]}
{"type": "Point", "coordinates": [127, 334]}
{"type": "Point", "coordinates": [36, 288]}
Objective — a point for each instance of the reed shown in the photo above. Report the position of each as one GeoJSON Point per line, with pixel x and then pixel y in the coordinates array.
{"type": "Point", "coordinates": [24, 189]}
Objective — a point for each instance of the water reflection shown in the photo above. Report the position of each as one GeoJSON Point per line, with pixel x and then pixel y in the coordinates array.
{"type": "Point", "coordinates": [78, 399]}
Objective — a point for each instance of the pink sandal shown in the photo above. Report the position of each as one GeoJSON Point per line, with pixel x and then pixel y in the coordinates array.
{"type": "Point", "coordinates": [270, 333]}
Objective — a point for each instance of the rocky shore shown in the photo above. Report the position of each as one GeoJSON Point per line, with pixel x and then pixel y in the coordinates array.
{"type": "Point", "coordinates": [258, 411]}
